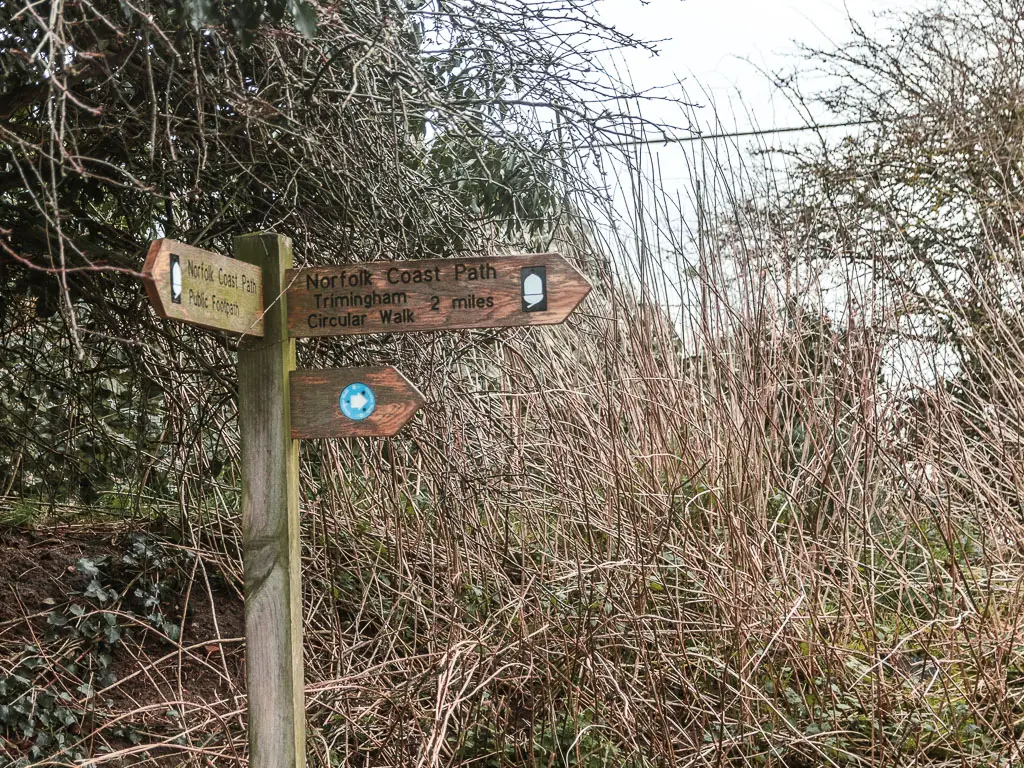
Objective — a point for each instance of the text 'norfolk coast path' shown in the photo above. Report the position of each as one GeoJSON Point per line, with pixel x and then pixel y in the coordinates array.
{"type": "Point", "coordinates": [433, 295]}
{"type": "Point", "coordinates": [204, 288]}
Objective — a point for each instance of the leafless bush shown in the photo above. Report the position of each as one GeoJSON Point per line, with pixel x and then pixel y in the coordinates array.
{"type": "Point", "coordinates": [600, 548]}
{"type": "Point", "coordinates": [734, 537]}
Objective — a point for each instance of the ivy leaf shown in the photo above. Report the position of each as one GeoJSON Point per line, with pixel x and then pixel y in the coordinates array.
{"type": "Point", "coordinates": [113, 634]}
{"type": "Point", "coordinates": [96, 591]}
{"type": "Point", "coordinates": [88, 567]}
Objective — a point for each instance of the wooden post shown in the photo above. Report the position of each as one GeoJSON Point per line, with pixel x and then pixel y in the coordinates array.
{"type": "Point", "coordinates": [270, 521]}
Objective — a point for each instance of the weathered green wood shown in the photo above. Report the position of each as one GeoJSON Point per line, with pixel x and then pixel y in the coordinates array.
{"type": "Point", "coordinates": [270, 521]}
{"type": "Point", "coordinates": [211, 291]}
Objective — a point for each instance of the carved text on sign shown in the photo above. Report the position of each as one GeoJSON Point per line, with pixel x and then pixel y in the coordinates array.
{"type": "Point", "coordinates": [204, 288]}
{"type": "Point", "coordinates": [438, 294]}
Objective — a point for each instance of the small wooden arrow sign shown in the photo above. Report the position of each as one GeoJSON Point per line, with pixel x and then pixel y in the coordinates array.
{"type": "Point", "coordinates": [351, 402]}
{"type": "Point", "coordinates": [204, 288]}
{"type": "Point", "coordinates": [433, 295]}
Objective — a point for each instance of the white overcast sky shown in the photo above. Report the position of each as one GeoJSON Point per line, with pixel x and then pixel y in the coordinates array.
{"type": "Point", "coordinates": [722, 52]}
{"type": "Point", "coordinates": [719, 46]}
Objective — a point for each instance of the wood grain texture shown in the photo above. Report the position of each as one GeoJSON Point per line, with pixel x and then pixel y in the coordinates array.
{"type": "Point", "coordinates": [216, 292]}
{"type": "Point", "coordinates": [429, 295]}
{"type": "Point", "coordinates": [316, 412]}
{"type": "Point", "coordinates": [270, 523]}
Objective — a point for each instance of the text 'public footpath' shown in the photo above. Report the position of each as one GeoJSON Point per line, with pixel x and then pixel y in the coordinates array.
{"type": "Point", "coordinates": [207, 297]}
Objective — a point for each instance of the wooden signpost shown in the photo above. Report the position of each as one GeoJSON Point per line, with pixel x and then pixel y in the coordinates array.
{"type": "Point", "coordinates": [270, 523]}
{"type": "Point", "coordinates": [203, 288]}
{"type": "Point", "coordinates": [433, 295]}
{"type": "Point", "coordinates": [260, 295]}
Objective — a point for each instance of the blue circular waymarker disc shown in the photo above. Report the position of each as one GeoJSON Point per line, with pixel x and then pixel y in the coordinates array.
{"type": "Point", "coordinates": [357, 401]}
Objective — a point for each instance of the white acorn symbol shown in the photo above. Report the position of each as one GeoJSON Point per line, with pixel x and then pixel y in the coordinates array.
{"type": "Point", "coordinates": [533, 290]}
{"type": "Point", "coordinates": [175, 280]}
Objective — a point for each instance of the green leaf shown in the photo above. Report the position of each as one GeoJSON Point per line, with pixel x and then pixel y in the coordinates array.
{"type": "Point", "coordinates": [88, 567]}
{"type": "Point", "coordinates": [305, 17]}
{"type": "Point", "coordinates": [96, 591]}
{"type": "Point", "coordinates": [113, 634]}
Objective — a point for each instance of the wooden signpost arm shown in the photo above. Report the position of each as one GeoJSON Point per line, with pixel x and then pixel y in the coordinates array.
{"type": "Point", "coordinates": [270, 521]}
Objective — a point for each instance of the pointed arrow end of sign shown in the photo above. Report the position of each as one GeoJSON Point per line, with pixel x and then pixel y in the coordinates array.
{"type": "Point", "coordinates": [154, 257]}
{"type": "Point", "coordinates": [405, 408]}
{"type": "Point", "coordinates": [203, 288]}
{"type": "Point", "coordinates": [568, 290]}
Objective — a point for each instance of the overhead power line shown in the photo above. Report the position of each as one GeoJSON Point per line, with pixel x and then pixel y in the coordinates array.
{"type": "Point", "coordinates": [736, 134]}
